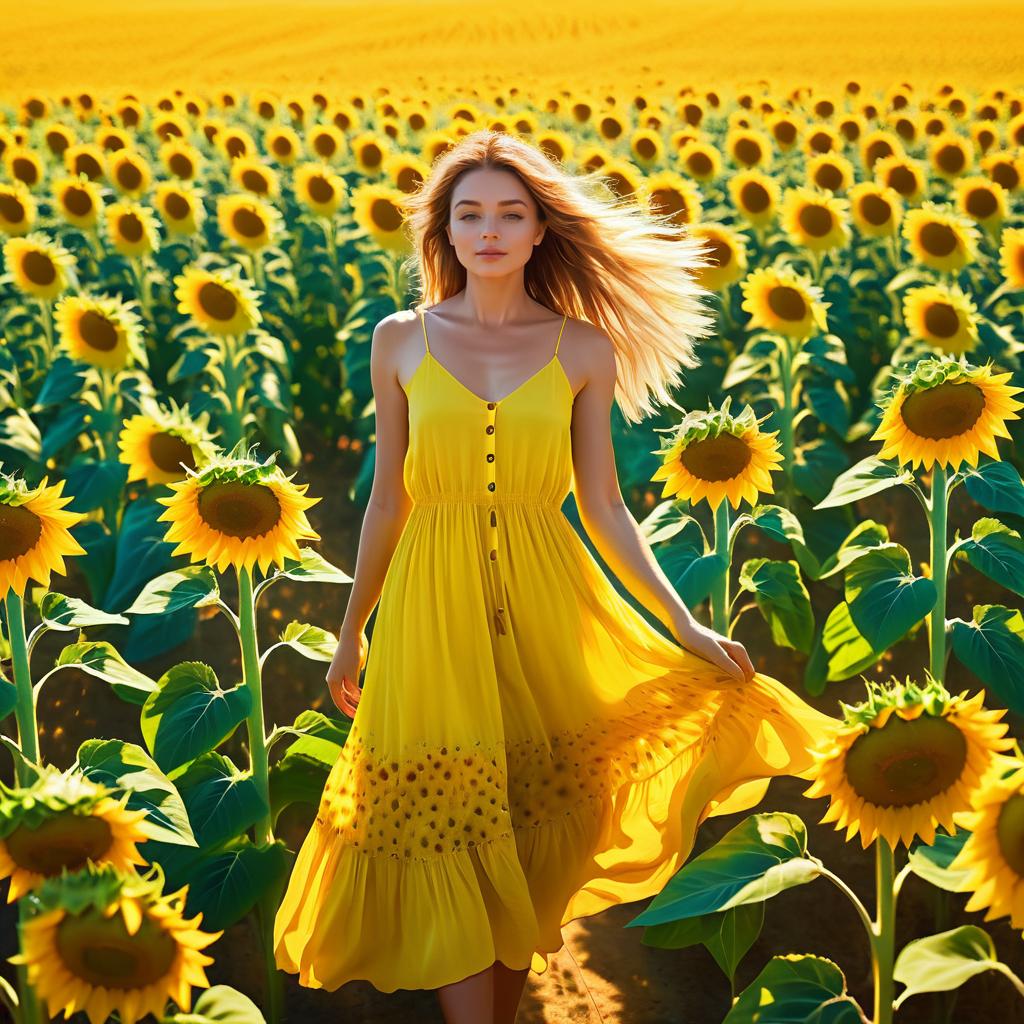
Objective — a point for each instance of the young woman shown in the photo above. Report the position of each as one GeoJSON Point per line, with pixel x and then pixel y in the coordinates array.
{"type": "Point", "coordinates": [528, 749]}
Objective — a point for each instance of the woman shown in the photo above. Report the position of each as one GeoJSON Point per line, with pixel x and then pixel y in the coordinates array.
{"type": "Point", "coordinates": [526, 749]}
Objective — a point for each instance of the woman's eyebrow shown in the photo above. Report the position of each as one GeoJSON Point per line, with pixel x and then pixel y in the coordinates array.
{"type": "Point", "coordinates": [476, 202]}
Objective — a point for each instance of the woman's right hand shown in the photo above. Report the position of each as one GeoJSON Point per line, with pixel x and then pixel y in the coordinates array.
{"type": "Point", "coordinates": [343, 673]}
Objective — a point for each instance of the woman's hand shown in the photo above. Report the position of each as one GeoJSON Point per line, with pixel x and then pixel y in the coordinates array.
{"type": "Point", "coordinates": [343, 673]}
{"type": "Point", "coordinates": [729, 655]}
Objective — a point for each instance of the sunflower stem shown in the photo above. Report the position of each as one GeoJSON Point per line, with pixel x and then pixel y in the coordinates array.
{"type": "Point", "coordinates": [44, 306]}
{"type": "Point", "coordinates": [937, 523]}
{"type": "Point", "coordinates": [720, 587]}
{"type": "Point", "coordinates": [786, 414]}
{"type": "Point", "coordinates": [884, 932]}
{"type": "Point", "coordinates": [30, 1011]}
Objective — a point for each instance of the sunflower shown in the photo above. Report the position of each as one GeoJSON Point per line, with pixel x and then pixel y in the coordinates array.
{"type": "Point", "coordinates": [238, 512]}
{"type": "Point", "coordinates": [234, 141]}
{"type": "Point", "coordinates": [34, 534]}
{"type": "Point", "coordinates": [748, 147]}
{"type": "Point", "coordinates": [369, 151]}
{"type": "Point", "coordinates": [781, 300]}
{"type": "Point", "coordinates": [79, 200]}
{"type": "Point", "coordinates": [621, 178]}
{"type": "Point", "coordinates": [253, 175]}
{"type": "Point", "coordinates": [993, 856]}
{"type": "Point", "coordinates": [700, 161]}
{"type": "Point", "coordinates": [40, 268]}
{"type": "Point", "coordinates": [950, 155]}
{"type": "Point", "coordinates": [983, 201]}
{"type": "Point", "coordinates": [940, 239]}
{"type": "Point", "coordinates": [60, 821]}
{"type": "Point", "coordinates": [755, 195]}
{"type": "Point", "coordinates": [155, 443]}
{"type": "Point", "coordinates": [946, 410]}
{"type": "Point", "coordinates": [379, 210]}
{"type": "Point", "coordinates": [1011, 257]}
{"type": "Point", "coordinates": [248, 221]}
{"type": "Point", "coordinates": [220, 301]}
{"type": "Point", "coordinates": [943, 316]}
{"type": "Point", "coordinates": [406, 171]}
{"type": "Point", "coordinates": [876, 209]}
{"type": "Point", "coordinates": [181, 159]}
{"type": "Point", "coordinates": [319, 188]}
{"type": "Point", "coordinates": [283, 144]}
{"type": "Point", "coordinates": [727, 248]}
{"type": "Point", "coordinates": [132, 228]}
{"type": "Point", "coordinates": [555, 144]}
{"type": "Point", "coordinates": [130, 173]}
{"type": "Point", "coordinates": [103, 331]}
{"type": "Point", "coordinates": [85, 158]}
{"type": "Point", "coordinates": [814, 219]}
{"type": "Point", "coordinates": [646, 147]}
{"type": "Point", "coordinates": [670, 195]}
{"type": "Point", "coordinates": [24, 165]}
{"type": "Point", "coordinates": [714, 455]}
{"type": "Point", "coordinates": [830, 172]}
{"type": "Point", "coordinates": [326, 143]}
{"type": "Point", "coordinates": [904, 176]}
{"type": "Point", "coordinates": [102, 941]}
{"type": "Point", "coordinates": [17, 208]}
{"type": "Point", "coordinates": [180, 207]}
{"type": "Point", "coordinates": [905, 760]}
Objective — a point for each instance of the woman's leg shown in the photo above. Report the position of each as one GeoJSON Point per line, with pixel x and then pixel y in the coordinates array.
{"type": "Point", "coordinates": [508, 990]}
{"type": "Point", "coordinates": [469, 1001]}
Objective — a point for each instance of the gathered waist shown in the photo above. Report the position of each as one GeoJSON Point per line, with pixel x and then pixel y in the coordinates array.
{"type": "Point", "coordinates": [487, 500]}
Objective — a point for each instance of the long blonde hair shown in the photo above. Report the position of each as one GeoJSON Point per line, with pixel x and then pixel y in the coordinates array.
{"type": "Point", "coordinates": [603, 259]}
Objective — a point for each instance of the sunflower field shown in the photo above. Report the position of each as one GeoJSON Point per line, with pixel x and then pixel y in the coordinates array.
{"type": "Point", "coordinates": [189, 283]}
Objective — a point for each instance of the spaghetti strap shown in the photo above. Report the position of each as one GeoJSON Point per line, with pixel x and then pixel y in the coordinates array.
{"type": "Point", "coordinates": [560, 329]}
{"type": "Point", "coordinates": [423, 321]}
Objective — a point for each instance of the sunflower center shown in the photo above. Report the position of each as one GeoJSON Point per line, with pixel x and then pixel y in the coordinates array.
{"type": "Point", "coordinates": [371, 155]}
{"type": "Point", "coordinates": [875, 210]}
{"type": "Point", "coordinates": [320, 189]}
{"type": "Point", "coordinates": [1010, 832]}
{"type": "Point", "coordinates": [87, 165]}
{"type": "Point", "coordinates": [247, 223]}
{"type": "Point", "coordinates": [903, 180]}
{"type": "Point", "coordinates": [100, 951]}
{"type": "Point", "coordinates": [177, 206]}
{"type": "Point", "coordinates": [254, 181]}
{"type": "Point", "coordinates": [97, 331]}
{"type": "Point", "coordinates": [981, 203]}
{"type": "Point", "coordinates": [129, 176]}
{"type": "Point", "coordinates": [39, 268]}
{"type": "Point", "coordinates": [239, 510]}
{"type": "Point", "coordinates": [951, 159]}
{"type": "Point", "coordinates": [941, 320]}
{"type": "Point", "coordinates": [130, 227]}
{"type": "Point", "coordinates": [324, 145]}
{"type": "Point", "coordinates": [217, 301]}
{"type": "Point", "coordinates": [947, 410]}
{"type": "Point", "coordinates": [281, 146]}
{"type": "Point", "coordinates": [671, 202]}
{"type": "Point", "coordinates": [385, 215]}
{"type": "Point", "coordinates": [829, 176]}
{"type": "Point", "coordinates": [716, 458]}
{"type": "Point", "coordinates": [787, 303]}
{"type": "Point", "coordinates": [63, 841]}
{"type": "Point", "coordinates": [719, 252]}
{"type": "Point", "coordinates": [906, 762]}
{"type": "Point", "coordinates": [11, 209]}
{"type": "Point", "coordinates": [699, 163]}
{"type": "Point", "coordinates": [168, 450]}
{"type": "Point", "coordinates": [754, 197]}
{"type": "Point", "coordinates": [20, 530]}
{"type": "Point", "coordinates": [77, 201]}
{"type": "Point", "coordinates": [181, 165]}
{"type": "Point", "coordinates": [938, 239]}
{"type": "Point", "coordinates": [815, 220]}
{"type": "Point", "coordinates": [747, 151]}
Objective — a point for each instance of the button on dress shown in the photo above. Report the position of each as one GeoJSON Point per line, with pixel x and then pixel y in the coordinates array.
{"type": "Point", "coordinates": [527, 748]}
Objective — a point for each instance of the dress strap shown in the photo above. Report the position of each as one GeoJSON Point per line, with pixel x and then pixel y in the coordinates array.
{"type": "Point", "coordinates": [423, 321]}
{"type": "Point", "coordinates": [560, 329]}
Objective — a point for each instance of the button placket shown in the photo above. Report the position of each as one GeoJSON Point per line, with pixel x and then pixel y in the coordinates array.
{"type": "Point", "coordinates": [492, 520]}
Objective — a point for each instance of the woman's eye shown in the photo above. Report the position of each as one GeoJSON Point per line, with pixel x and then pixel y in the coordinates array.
{"type": "Point", "coordinates": [518, 216]}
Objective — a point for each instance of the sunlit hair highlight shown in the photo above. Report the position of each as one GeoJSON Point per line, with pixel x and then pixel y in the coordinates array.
{"type": "Point", "coordinates": [603, 259]}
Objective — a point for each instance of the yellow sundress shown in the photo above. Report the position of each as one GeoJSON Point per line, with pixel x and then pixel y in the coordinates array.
{"type": "Point", "coordinates": [527, 748]}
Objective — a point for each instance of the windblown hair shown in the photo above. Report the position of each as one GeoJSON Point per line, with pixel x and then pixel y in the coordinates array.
{"type": "Point", "coordinates": [603, 259]}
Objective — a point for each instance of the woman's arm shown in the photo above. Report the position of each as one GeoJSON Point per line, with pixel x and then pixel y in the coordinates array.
{"type": "Point", "coordinates": [608, 521]}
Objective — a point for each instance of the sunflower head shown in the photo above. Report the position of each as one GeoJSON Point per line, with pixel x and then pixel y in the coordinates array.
{"type": "Point", "coordinates": [247, 220]}
{"type": "Point", "coordinates": [79, 200]}
{"type": "Point", "coordinates": [755, 195]}
{"type": "Point", "coordinates": [941, 239]}
{"type": "Point", "coordinates": [180, 205]}
{"type": "Point", "coordinates": [319, 188]}
{"type": "Point", "coordinates": [17, 208]}
{"type": "Point", "coordinates": [943, 316]}
{"type": "Point", "coordinates": [102, 940]}
{"type": "Point", "coordinates": [59, 822]}
{"type": "Point", "coordinates": [714, 455]}
{"type": "Point", "coordinates": [726, 249]}
{"type": "Point", "coordinates": [905, 759]}
{"type": "Point", "coordinates": [875, 209]}
{"type": "Point", "coordinates": [132, 228]}
{"type": "Point", "coordinates": [945, 410]}
{"type": "Point", "coordinates": [815, 219]}
{"type": "Point", "coordinates": [130, 172]}
{"type": "Point", "coordinates": [380, 211]}
{"type": "Point", "coordinates": [237, 512]}
{"type": "Point", "coordinates": [220, 301]}
{"type": "Point", "coordinates": [102, 331]}
{"type": "Point", "coordinates": [40, 267]}
{"type": "Point", "coordinates": [252, 175]}
{"type": "Point", "coordinates": [1011, 257]}
{"type": "Point", "coordinates": [159, 444]}
{"type": "Point", "coordinates": [781, 300]}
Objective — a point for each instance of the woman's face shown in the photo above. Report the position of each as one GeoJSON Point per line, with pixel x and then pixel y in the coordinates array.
{"type": "Point", "coordinates": [492, 209]}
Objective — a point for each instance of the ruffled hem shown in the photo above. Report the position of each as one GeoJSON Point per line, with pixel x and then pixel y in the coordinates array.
{"type": "Point", "coordinates": [424, 922]}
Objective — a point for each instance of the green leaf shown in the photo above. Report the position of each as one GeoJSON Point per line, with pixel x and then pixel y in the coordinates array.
{"type": "Point", "coordinates": [939, 963]}
{"type": "Point", "coordinates": [312, 568]}
{"type": "Point", "coordinates": [992, 647]}
{"type": "Point", "coordinates": [126, 766]}
{"type": "Point", "coordinates": [796, 989]}
{"type": "Point", "coordinates": [218, 1004]}
{"type": "Point", "coordinates": [886, 599]}
{"type": "Point", "coordinates": [816, 466]}
{"type": "Point", "coordinates": [760, 857]}
{"type": "Point", "coordinates": [190, 714]}
{"type": "Point", "coordinates": [222, 801]}
{"type": "Point", "coordinates": [931, 861]}
{"type": "Point", "coordinates": [779, 523]}
{"type": "Point", "coordinates": [195, 586]}
{"type": "Point", "coordinates": [102, 660]}
{"type": "Point", "coordinates": [738, 929]}
{"type": "Point", "coordinates": [58, 611]}
{"type": "Point", "coordinates": [864, 537]}
{"type": "Point", "coordinates": [867, 477]}
{"type": "Point", "coordinates": [297, 778]}
{"type": "Point", "coordinates": [310, 641]}
{"type": "Point", "coordinates": [998, 552]}
{"type": "Point", "coordinates": [782, 599]}
{"type": "Point", "coordinates": [849, 651]}
{"type": "Point", "coordinates": [995, 485]}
